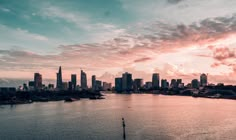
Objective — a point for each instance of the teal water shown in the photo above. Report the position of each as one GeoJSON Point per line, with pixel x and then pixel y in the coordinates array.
{"type": "Point", "coordinates": [147, 116]}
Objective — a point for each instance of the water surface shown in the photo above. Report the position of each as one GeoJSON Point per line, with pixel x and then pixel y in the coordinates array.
{"type": "Point", "coordinates": [147, 117]}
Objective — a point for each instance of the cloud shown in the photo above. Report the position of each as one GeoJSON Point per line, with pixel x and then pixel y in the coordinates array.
{"type": "Point", "coordinates": [223, 53]}
{"type": "Point", "coordinates": [142, 59]}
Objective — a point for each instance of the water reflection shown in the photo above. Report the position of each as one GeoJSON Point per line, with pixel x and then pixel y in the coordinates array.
{"type": "Point", "coordinates": [146, 116]}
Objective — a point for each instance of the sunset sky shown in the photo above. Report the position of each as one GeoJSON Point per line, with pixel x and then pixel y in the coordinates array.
{"type": "Point", "coordinates": [176, 38]}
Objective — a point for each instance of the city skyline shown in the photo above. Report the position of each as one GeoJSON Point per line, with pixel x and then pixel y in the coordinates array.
{"type": "Point", "coordinates": [108, 40]}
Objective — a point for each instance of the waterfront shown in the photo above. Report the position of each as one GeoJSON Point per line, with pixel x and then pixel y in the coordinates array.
{"type": "Point", "coordinates": [147, 116]}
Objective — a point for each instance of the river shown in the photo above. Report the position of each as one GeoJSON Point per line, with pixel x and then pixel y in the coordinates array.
{"type": "Point", "coordinates": [146, 116]}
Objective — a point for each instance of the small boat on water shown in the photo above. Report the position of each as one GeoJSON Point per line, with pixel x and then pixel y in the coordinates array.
{"type": "Point", "coordinates": [71, 99]}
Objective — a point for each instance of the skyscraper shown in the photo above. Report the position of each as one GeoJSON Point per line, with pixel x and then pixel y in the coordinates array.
{"type": "Point", "coordinates": [83, 80]}
{"type": "Point", "coordinates": [59, 79]}
{"type": "Point", "coordinates": [155, 81]}
{"type": "Point", "coordinates": [118, 84]}
{"type": "Point", "coordinates": [138, 83]}
{"type": "Point", "coordinates": [98, 85]}
{"type": "Point", "coordinates": [38, 81]}
{"type": "Point", "coordinates": [195, 83]}
{"type": "Point", "coordinates": [73, 81]}
{"type": "Point", "coordinates": [127, 82]}
{"type": "Point", "coordinates": [94, 82]}
{"type": "Point", "coordinates": [203, 79]}
{"type": "Point", "coordinates": [164, 84]}
{"type": "Point", "coordinates": [173, 83]}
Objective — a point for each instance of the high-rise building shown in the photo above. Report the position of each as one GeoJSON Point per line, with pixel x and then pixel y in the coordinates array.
{"type": "Point", "coordinates": [155, 81]}
{"type": "Point", "coordinates": [173, 83]}
{"type": "Point", "coordinates": [195, 83]}
{"type": "Point", "coordinates": [31, 85]}
{"type": "Point", "coordinates": [164, 84]}
{"type": "Point", "coordinates": [94, 82]}
{"type": "Point", "coordinates": [127, 82]}
{"type": "Point", "coordinates": [59, 79]}
{"type": "Point", "coordinates": [118, 84]}
{"type": "Point", "coordinates": [98, 85]}
{"type": "Point", "coordinates": [38, 81]}
{"type": "Point", "coordinates": [73, 81]}
{"type": "Point", "coordinates": [203, 80]}
{"type": "Point", "coordinates": [83, 80]}
{"type": "Point", "coordinates": [138, 83]}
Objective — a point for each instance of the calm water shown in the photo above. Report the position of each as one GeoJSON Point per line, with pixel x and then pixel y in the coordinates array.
{"type": "Point", "coordinates": [147, 117]}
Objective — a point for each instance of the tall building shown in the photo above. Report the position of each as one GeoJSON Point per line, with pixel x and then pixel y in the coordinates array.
{"type": "Point", "coordinates": [59, 79]}
{"type": "Point", "coordinates": [138, 83]}
{"type": "Point", "coordinates": [155, 81]}
{"type": "Point", "coordinates": [83, 80]}
{"type": "Point", "coordinates": [173, 83]}
{"type": "Point", "coordinates": [127, 82]}
{"type": "Point", "coordinates": [118, 84]}
{"type": "Point", "coordinates": [94, 82]}
{"type": "Point", "coordinates": [73, 81]}
{"type": "Point", "coordinates": [98, 85]}
{"type": "Point", "coordinates": [38, 81]}
{"type": "Point", "coordinates": [164, 84]}
{"type": "Point", "coordinates": [203, 80]}
{"type": "Point", "coordinates": [195, 83]}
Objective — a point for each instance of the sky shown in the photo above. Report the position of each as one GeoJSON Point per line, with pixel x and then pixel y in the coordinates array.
{"type": "Point", "coordinates": [175, 38]}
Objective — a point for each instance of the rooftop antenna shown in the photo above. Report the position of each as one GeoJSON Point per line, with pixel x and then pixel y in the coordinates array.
{"type": "Point", "coordinates": [123, 125]}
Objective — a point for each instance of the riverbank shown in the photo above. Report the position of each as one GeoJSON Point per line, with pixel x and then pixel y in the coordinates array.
{"type": "Point", "coordinates": [26, 97]}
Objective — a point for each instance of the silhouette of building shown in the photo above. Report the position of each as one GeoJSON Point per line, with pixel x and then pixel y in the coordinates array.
{"type": "Point", "coordinates": [73, 81]}
{"type": "Point", "coordinates": [148, 85]}
{"type": "Point", "coordinates": [94, 82]}
{"type": "Point", "coordinates": [203, 80]}
{"type": "Point", "coordinates": [195, 83]}
{"type": "Point", "coordinates": [164, 84]}
{"type": "Point", "coordinates": [118, 84]}
{"type": "Point", "coordinates": [173, 83]}
{"type": "Point", "coordinates": [98, 85]}
{"type": "Point", "coordinates": [178, 82]}
{"type": "Point", "coordinates": [106, 86]}
{"type": "Point", "coordinates": [38, 81]}
{"type": "Point", "coordinates": [65, 86]}
{"type": "Point", "coordinates": [155, 81]}
{"type": "Point", "coordinates": [59, 79]}
{"type": "Point", "coordinates": [83, 80]}
{"type": "Point", "coordinates": [127, 82]}
{"type": "Point", "coordinates": [138, 84]}
{"type": "Point", "coordinates": [51, 86]}
{"type": "Point", "coordinates": [31, 85]}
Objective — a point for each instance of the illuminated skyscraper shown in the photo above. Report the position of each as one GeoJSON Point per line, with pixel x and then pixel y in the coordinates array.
{"type": "Point", "coordinates": [155, 81]}
{"type": "Point", "coordinates": [59, 79]}
{"type": "Point", "coordinates": [83, 80]}
{"type": "Point", "coordinates": [38, 81]}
